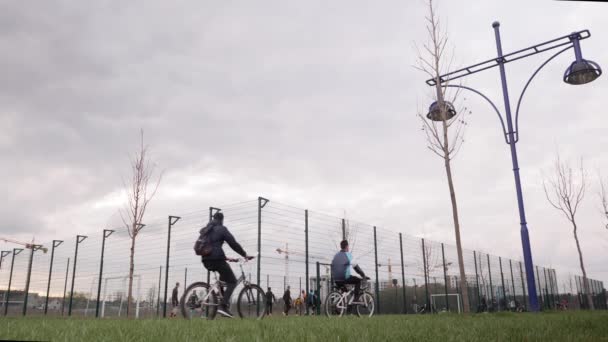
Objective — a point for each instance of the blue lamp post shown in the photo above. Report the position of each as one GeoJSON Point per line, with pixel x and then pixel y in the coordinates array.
{"type": "Point", "coordinates": [581, 71]}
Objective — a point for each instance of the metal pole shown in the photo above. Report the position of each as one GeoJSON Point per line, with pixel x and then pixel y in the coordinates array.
{"type": "Point", "coordinates": [555, 285]}
{"type": "Point", "coordinates": [106, 234]}
{"type": "Point", "coordinates": [445, 278]}
{"type": "Point", "coordinates": [523, 286]}
{"type": "Point", "coordinates": [402, 273]}
{"type": "Point", "coordinates": [525, 239]}
{"type": "Point", "coordinates": [33, 248]}
{"type": "Point", "coordinates": [306, 254]}
{"type": "Point", "coordinates": [185, 278]}
{"type": "Point", "coordinates": [542, 300]}
{"type": "Point", "coordinates": [376, 267]}
{"type": "Point", "coordinates": [65, 285]}
{"type": "Point", "coordinates": [502, 280]}
{"type": "Point", "coordinates": [79, 239]}
{"type": "Point", "coordinates": [56, 243]}
{"type": "Point", "coordinates": [548, 300]}
{"type": "Point", "coordinates": [343, 229]}
{"type": "Point", "coordinates": [261, 204]}
{"type": "Point", "coordinates": [318, 294]}
{"type": "Point", "coordinates": [426, 282]}
{"type": "Point", "coordinates": [160, 274]}
{"type": "Point", "coordinates": [10, 279]}
{"type": "Point", "coordinates": [476, 278]}
{"type": "Point", "coordinates": [172, 220]}
{"type": "Point", "coordinates": [490, 277]}
{"type": "Point", "coordinates": [3, 254]}
{"type": "Point", "coordinates": [512, 280]}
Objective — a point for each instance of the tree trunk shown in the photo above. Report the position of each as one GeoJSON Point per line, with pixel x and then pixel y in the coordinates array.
{"type": "Point", "coordinates": [463, 279]}
{"type": "Point", "coordinates": [131, 269]}
{"type": "Point", "coordinates": [580, 258]}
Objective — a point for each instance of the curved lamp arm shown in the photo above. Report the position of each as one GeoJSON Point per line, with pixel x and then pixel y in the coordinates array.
{"type": "Point", "coordinates": [502, 122]}
{"type": "Point", "coordinates": [526, 87]}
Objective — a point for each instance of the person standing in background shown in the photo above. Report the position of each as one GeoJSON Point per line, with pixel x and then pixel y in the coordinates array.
{"type": "Point", "coordinates": [287, 300]}
{"type": "Point", "coordinates": [174, 300]}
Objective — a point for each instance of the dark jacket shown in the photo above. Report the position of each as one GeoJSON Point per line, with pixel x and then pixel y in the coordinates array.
{"type": "Point", "coordinates": [270, 297]}
{"type": "Point", "coordinates": [218, 235]}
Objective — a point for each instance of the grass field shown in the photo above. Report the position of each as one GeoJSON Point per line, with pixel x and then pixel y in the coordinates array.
{"type": "Point", "coordinates": [569, 326]}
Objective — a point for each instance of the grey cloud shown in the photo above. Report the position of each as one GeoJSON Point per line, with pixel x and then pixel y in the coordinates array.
{"type": "Point", "coordinates": [311, 103]}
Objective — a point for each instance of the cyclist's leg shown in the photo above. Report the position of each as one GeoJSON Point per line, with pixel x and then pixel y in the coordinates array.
{"type": "Point", "coordinates": [227, 276]}
{"type": "Point", "coordinates": [357, 282]}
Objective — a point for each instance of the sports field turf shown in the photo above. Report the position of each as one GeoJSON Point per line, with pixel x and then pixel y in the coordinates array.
{"type": "Point", "coordinates": [569, 326]}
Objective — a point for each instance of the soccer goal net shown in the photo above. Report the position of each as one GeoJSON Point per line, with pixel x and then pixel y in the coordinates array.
{"type": "Point", "coordinates": [451, 302]}
{"type": "Point", "coordinates": [114, 295]}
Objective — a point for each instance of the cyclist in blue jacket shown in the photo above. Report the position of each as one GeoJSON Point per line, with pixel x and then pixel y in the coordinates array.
{"type": "Point", "coordinates": [345, 270]}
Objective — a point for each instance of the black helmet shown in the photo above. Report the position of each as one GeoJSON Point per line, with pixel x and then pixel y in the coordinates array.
{"type": "Point", "coordinates": [218, 216]}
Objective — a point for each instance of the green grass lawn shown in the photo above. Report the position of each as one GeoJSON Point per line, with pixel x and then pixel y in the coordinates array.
{"type": "Point", "coordinates": [569, 326]}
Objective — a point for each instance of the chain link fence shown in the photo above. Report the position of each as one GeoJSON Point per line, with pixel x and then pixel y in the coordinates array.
{"type": "Point", "coordinates": [87, 275]}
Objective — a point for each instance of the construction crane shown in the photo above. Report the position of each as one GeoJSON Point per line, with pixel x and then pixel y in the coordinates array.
{"type": "Point", "coordinates": [27, 245]}
{"type": "Point", "coordinates": [287, 252]}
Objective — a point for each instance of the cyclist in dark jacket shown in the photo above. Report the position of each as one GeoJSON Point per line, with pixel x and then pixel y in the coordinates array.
{"type": "Point", "coordinates": [216, 261]}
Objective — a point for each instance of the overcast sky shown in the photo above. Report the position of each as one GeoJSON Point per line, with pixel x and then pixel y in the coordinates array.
{"type": "Point", "coordinates": [311, 103]}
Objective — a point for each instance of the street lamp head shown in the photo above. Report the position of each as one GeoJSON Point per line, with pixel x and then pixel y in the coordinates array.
{"type": "Point", "coordinates": [582, 71]}
{"type": "Point", "coordinates": [435, 111]}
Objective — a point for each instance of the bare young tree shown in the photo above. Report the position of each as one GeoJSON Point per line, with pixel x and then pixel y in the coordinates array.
{"type": "Point", "coordinates": [565, 192]}
{"type": "Point", "coordinates": [140, 189]}
{"type": "Point", "coordinates": [445, 132]}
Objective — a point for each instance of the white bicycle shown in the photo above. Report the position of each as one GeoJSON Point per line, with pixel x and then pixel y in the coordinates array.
{"type": "Point", "coordinates": [342, 300]}
{"type": "Point", "coordinates": [201, 300]}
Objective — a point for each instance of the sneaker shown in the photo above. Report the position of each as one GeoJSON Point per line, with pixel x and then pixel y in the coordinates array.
{"type": "Point", "coordinates": [224, 311]}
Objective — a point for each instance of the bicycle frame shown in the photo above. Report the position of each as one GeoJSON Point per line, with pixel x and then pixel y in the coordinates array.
{"type": "Point", "coordinates": [215, 287]}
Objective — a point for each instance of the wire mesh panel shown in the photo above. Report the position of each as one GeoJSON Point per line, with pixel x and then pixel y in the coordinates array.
{"type": "Point", "coordinates": [408, 274]}
{"type": "Point", "coordinates": [390, 282]}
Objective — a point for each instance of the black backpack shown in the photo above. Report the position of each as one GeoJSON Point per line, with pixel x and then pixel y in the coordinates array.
{"type": "Point", "coordinates": [203, 246]}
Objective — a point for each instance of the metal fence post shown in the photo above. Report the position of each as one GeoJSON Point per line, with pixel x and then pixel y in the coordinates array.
{"type": "Point", "coordinates": [502, 280]}
{"type": "Point", "coordinates": [306, 255]}
{"type": "Point", "coordinates": [490, 277]}
{"type": "Point", "coordinates": [160, 274]}
{"type": "Point", "coordinates": [555, 284]}
{"type": "Point", "coordinates": [3, 254]}
{"type": "Point", "coordinates": [261, 204]}
{"type": "Point", "coordinates": [376, 269]}
{"type": "Point", "coordinates": [523, 286]}
{"type": "Point", "coordinates": [402, 273]}
{"type": "Point", "coordinates": [106, 234]}
{"type": "Point", "coordinates": [476, 277]}
{"type": "Point", "coordinates": [185, 278]}
{"type": "Point", "coordinates": [10, 279]}
{"type": "Point", "coordinates": [540, 289]}
{"type": "Point", "coordinates": [445, 278]}
{"type": "Point", "coordinates": [65, 286]}
{"type": "Point", "coordinates": [549, 296]}
{"type": "Point", "coordinates": [33, 248]}
{"type": "Point", "coordinates": [172, 220]}
{"type": "Point", "coordinates": [318, 294]}
{"type": "Point", "coordinates": [79, 239]}
{"type": "Point", "coordinates": [426, 279]}
{"type": "Point", "coordinates": [56, 243]}
{"type": "Point", "coordinates": [512, 280]}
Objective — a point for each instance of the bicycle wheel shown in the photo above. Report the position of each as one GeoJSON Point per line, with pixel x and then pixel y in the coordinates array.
{"type": "Point", "coordinates": [251, 302]}
{"type": "Point", "coordinates": [367, 306]}
{"type": "Point", "coordinates": [198, 302]}
{"type": "Point", "coordinates": [335, 304]}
